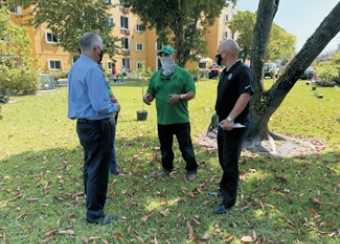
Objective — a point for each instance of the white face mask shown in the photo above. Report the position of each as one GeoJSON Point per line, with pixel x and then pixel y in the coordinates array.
{"type": "Point", "coordinates": [168, 65]}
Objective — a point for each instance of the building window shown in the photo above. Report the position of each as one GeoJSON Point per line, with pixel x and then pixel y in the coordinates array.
{"type": "Point", "coordinates": [139, 27]}
{"type": "Point", "coordinates": [109, 65]}
{"type": "Point", "coordinates": [54, 64]}
{"type": "Point", "coordinates": [139, 65]}
{"type": "Point", "coordinates": [110, 21]}
{"type": "Point", "coordinates": [126, 63]}
{"type": "Point", "coordinates": [124, 22]}
{"type": "Point", "coordinates": [50, 38]}
{"type": "Point", "coordinates": [226, 17]}
{"type": "Point", "coordinates": [158, 45]}
{"type": "Point", "coordinates": [17, 10]}
{"type": "Point", "coordinates": [108, 1]}
{"type": "Point", "coordinates": [225, 35]}
{"type": "Point", "coordinates": [233, 35]}
{"type": "Point", "coordinates": [125, 43]}
{"type": "Point", "coordinates": [139, 47]}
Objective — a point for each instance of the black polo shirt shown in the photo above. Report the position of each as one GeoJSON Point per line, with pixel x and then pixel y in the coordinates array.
{"type": "Point", "coordinates": [237, 80]}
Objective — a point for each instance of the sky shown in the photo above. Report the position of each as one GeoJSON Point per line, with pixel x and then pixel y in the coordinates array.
{"type": "Point", "coordinates": [299, 17]}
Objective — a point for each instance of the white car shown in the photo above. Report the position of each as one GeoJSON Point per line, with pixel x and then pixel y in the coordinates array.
{"type": "Point", "coordinates": [270, 70]}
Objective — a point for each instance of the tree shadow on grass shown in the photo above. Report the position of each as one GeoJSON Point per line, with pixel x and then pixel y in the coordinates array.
{"type": "Point", "coordinates": [290, 199]}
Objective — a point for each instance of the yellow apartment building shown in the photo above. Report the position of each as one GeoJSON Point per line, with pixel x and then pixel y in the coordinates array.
{"type": "Point", "coordinates": [137, 47]}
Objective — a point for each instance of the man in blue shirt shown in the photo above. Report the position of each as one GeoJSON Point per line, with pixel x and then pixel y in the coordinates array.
{"type": "Point", "coordinates": [89, 103]}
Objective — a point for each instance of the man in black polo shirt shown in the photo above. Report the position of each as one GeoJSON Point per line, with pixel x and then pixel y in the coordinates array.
{"type": "Point", "coordinates": [232, 106]}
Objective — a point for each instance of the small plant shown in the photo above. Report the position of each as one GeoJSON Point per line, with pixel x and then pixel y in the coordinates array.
{"type": "Point", "coordinates": [144, 75]}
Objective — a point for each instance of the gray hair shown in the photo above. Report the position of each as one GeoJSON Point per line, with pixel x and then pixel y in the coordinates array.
{"type": "Point", "coordinates": [231, 46]}
{"type": "Point", "coordinates": [88, 40]}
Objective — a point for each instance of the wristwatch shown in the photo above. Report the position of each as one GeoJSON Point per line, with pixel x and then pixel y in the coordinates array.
{"type": "Point", "coordinates": [181, 96]}
{"type": "Point", "coordinates": [230, 119]}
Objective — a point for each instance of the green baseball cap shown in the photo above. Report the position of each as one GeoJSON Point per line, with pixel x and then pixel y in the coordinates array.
{"type": "Point", "coordinates": [167, 50]}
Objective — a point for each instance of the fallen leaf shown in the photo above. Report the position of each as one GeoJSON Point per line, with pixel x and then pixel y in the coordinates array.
{"type": "Point", "coordinates": [315, 202]}
{"type": "Point", "coordinates": [206, 237]}
{"type": "Point", "coordinates": [66, 232]}
{"type": "Point", "coordinates": [246, 239]}
{"type": "Point", "coordinates": [165, 212]}
{"type": "Point", "coordinates": [140, 239]}
{"type": "Point", "coordinates": [195, 219]}
{"type": "Point", "coordinates": [228, 238]}
{"type": "Point", "coordinates": [118, 236]}
{"type": "Point", "coordinates": [50, 232]}
{"type": "Point", "coordinates": [190, 230]}
{"type": "Point", "coordinates": [146, 217]}
{"type": "Point", "coordinates": [254, 236]}
{"type": "Point", "coordinates": [30, 200]}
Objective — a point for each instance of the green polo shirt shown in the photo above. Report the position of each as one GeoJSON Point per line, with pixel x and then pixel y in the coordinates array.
{"type": "Point", "coordinates": [161, 86]}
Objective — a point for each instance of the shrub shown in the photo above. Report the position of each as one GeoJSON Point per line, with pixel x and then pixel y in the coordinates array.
{"type": "Point", "coordinates": [327, 72]}
{"type": "Point", "coordinates": [19, 80]}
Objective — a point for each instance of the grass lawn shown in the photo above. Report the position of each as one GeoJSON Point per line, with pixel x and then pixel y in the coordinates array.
{"type": "Point", "coordinates": [281, 199]}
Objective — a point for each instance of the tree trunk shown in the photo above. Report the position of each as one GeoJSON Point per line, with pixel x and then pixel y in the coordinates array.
{"type": "Point", "coordinates": [265, 103]}
{"type": "Point", "coordinates": [259, 121]}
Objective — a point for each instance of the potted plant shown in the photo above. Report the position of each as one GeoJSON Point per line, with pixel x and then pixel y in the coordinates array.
{"type": "Point", "coordinates": [143, 74]}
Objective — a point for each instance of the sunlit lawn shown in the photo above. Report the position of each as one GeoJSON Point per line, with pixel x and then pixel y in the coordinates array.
{"type": "Point", "coordinates": [288, 200]}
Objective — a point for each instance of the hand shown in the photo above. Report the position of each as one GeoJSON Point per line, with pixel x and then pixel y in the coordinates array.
{"type": "Point", "coordinates": [147, 99]}
{"type": "Point", "coordinates": [117, 106]}
{"type": "Point", "coordinates": [226, 125]}
{"type": "Point", "coordinates": [112, 119]}
{"type": "Point", "coordinates": [114, 100]}
{"type": "Point", "coordinates": [174, 98]}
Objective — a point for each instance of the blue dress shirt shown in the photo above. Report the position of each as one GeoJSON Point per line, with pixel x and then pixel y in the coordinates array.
{"type": "Point", "coordinates": [87, 91]}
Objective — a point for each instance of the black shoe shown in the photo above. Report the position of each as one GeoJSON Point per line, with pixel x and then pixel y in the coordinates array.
{"type": "Point", "coordinates": [103, 220]}
{"type": "Point", "coordinates": [115, 172]}
{"type": "Point", "coordinates": [215, 194]}
{"type": "Point", "coordinates": [221, 209]}
{"type": "Point", "coordinates": [163, 173]}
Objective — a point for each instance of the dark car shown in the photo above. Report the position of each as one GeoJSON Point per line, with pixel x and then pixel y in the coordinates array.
{"type": "Point", "coordinates": [308, 74]}
{"type": "Point", "coordinates": [214, 71]}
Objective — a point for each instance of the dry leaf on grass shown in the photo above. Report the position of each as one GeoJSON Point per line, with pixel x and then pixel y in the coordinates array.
{"type": "Point", "coordinates": [190, 230]}
{"type": "Point", "coordinates": [247, 239]}
{"type": "Point", "coordinates": [146, 217]}
{"type": "Point", "coordinates": [314, 201]}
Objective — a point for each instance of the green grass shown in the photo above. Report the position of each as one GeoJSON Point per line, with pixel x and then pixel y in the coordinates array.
{"type": "Point", "coordinates": [288, 200]}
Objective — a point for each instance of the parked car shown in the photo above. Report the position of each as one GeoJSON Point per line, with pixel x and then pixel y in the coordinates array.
{"type": "Point", "coordinates": [308, 74]}
{"type": "Point", "coordinates": [270, 70]}
{"type": "Point", "coordinates": [214, 71]}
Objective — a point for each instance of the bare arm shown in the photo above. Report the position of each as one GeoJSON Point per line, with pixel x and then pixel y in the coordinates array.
{"type": "Point", "coordinates": [239, 106]}
{"type": "Point", "coordinates": [148, 98]}
{"type": "Point", "coordinates": [175, 98]}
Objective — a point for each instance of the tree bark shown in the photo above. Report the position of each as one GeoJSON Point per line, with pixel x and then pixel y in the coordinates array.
{"type": "Point", "coordinates": [265, 103]}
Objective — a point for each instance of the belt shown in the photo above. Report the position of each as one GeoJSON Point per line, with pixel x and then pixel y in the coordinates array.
{"type": "Point", "coordinates": [90, 121]}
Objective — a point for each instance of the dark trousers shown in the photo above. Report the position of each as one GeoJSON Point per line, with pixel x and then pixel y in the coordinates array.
{"type": "Point", "coordinates": [229, 150]}
{"type": "Point", "coordinates": [95, 137]}
{"type": "Point", "coordinates": [113, 161]}
{"type": "Point", "coordinates": [182, 133]}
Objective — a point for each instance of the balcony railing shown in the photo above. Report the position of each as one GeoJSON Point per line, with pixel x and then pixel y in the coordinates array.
{"type": "Point", "coordinates": [124, 10]}
{"type": "Point", "coordinates": [125, 52]}
{"type": "Point", "coordinates": [125, 32]}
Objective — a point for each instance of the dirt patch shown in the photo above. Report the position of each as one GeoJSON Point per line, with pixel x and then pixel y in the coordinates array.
{"type": "Point", "coordinates": [284, 146]}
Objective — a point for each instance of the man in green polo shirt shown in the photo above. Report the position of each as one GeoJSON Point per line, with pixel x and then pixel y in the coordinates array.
{"type": "Point", "coordinates": [172, 87]}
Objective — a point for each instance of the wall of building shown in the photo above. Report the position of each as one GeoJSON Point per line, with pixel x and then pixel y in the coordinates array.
{"type": "Point", "coordinates": [53, 58]}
